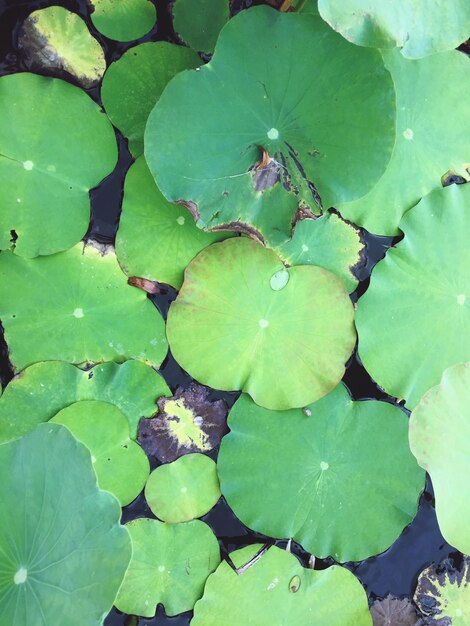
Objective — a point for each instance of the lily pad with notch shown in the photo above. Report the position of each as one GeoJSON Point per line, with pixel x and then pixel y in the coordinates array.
{"type": "Point", "coordinates": [200, 28]}
{"type": "Point", "coordinates": [123, 20]}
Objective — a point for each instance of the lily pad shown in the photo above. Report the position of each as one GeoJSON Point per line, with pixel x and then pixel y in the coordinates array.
{"type": "Point", "coordinates": [275, 589]}
{"type": "Point", "coordinates": [440, 441]}
{"type": "Point", "coordinates": [170, 564]}
{"type": "Point", "coordinates": [282, 335]}
{"type": "Point", "coordinates": [147, 219]}
{"type": "Point", "coordinates": [183, 490]}
{"type": "Point", "coordinates": [356, 489]}
{"type": "Point", "coordinates": [76, 306]}
{"type": "Point", "coordinates": [64, 553]}
{"type": "Point", "coordinates": [54, 40]}
{"type": "Point", "coordinates": [391, 611]}
{"type": "Point", "coordinates": [199, 27]}
{"type": "Point", "coordinates": [417, 27]}
{"type": "Point", "coordinates": [55, 145]}
{"type": "Point", "coordinates": [187, 422]}
{"type": "Point", "coordinates": [430, 139]}
{"type": "Point", "coordinates": [329, 242]}
{"type": "Point", "coordinates": [133, 84]}
{"type": "Point", "coordinates": [123, 20]}
{"type": "Point", "coordinates": [120, 464]}
{"type": "Point", "coordinates": [418, 301]}
{"type": "Point", "coordinates": [261, 130]}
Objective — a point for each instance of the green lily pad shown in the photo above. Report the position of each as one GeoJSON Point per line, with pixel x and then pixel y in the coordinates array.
{"type": "Point", "coordinates": [123, 20]}
{"type": "Point", "coordinates": [199, 27]}
{"type": "Point", "coordinates": [276, 589]}
{"type": "Point", "coordinates": [120, 464]}
{"type": "Point", "coordinates": [170, 564]}
{"type": "Point", "coordinates": [133, 84]}
{"type": "Point", "coordinates": [417, 27]}
{"type": "Point", "coordinates": [443, 593]}
{"type": "Point", "coordinates": [314, 122]}
{"type": "Point", "coordinates": [356, 489]}
{"type": "Point", "coordinates": [433, 135]}
{"type": "Point", "coordinates": [55, 145]}
{"type": "Point", "coordinates": [282, 335]}
{"type": "Point", "coordinates": [329, 242]}
{"type": "Point", "coordinates": [183, 490]}
{"type": "Point", "coordinates": [147, 219]}
{"type": "Point", "coordinates": [56, 40]}
{"type": "Point", "coordinates": [418, 301]}
{"type": "Point", "coordinates": [63, 552]}
{"type": "Point", "coordinates": [76, 306]}
{"type": "Point", "coordinates": [440, 441]}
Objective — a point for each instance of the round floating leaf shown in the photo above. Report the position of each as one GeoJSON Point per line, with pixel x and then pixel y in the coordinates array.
{"type": "Point", "coordinates": [355, 490]}
{"type": "Point", "coordinates": [390, 611]}
{"type": "Point", "coordinates": [417, 27]}
{"type": "Point", "coordinates": [55, 145]}
{"type": "Point", "coordinates": [433, 135]}
{"type": "Point", "coordinates": [170, 564]}
{"type": "Point", "coordinates": [281, 335]}
{"type": "Point", "coordinates": [329, 242]}
{"type": "Point", "coordinates": [123, 20]}
{"type": "Point", "coordinates": [54, 40]}
{"type": "Point", "coordinates": [259, 128]}
{"type": "Point", "coordinates": [76, 306]}
{"type": "Point", "coordinates": [440, 441]}
{"type": "Point", "coordinates": [199, 27]}
{"type": "Point", "coordinates": [120, 464]}
{"type": "Point", "coordinates": [63, 553]}
{"type": "Point", "coordinates": [187, 422]}
{"type": "Point", "coordinates": [183, 490]}
{"type": "Point", "coordinates": [133, 84]}
{"type": "Point", "coordinates": [418, 301]}
{"type": "Point", "coordinates": [147, 219]}
{"type": "Point", "coordinates": [273, 588]}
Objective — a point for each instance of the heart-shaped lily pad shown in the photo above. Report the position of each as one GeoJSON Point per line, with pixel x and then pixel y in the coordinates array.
{"type": "Point", "coordinates": [355, 490]}
{"type": "Point", "coordinates": [76, 306]}
{"type": "Point", "coordinates": [55, 145]}
{"type": "Point", "coordinates": [260, 130]}
{"type": "Point", "coordinates": [430, 140]}
{"type": "Point", "coordinates": [183, 490]}
{"type": "Point", "coordinates": [200, 28]}
{"type": "Point", "coordinates": [275, 589]}
{"type": "Point", "coordinates": [418, 301]}
{"type": "Point", "coordinates": [244, 321]}
{"type": "Point", "coordinates": [170, 564]}
{"type": "Point", "coordinates": [123, 20]}
{"type": "Point", "coordinates": [156, 239]}
{"type": "Point", "coordinates": [133, 84]}
{"type": "Point", "coordinates": [440, 441]}
{"type": "Point", "coordinates": [63, 553]}
{"type": "Point", "coordinates": [417, 27]}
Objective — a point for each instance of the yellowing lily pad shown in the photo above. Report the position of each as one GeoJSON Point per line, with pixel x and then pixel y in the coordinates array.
{"type": "Point", "coordinates": [123, 20]}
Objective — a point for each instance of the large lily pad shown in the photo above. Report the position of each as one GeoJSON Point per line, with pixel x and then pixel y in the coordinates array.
{"type": "Point", "coordinates": [430, 140]}
{"type": "Point", "coordinates": [170, 564]}
{"type": "Point", "coordinates": [417, 27]}
{"type": "Point", "coordinates": [76, 306]}
{"type": "Point", "coordinates": [55, 145]}
{"type": "Point", "coordinates": [123, 20]}
{"type": "Point", "coordinates": [260, 129]}
{"type": "Point", "coordinates": [440, 441]}
{"type": "Point", "coordinates": [414, 320]}
{"type": "Point", "coordinates": [63, 553]}
{"type": "Point", "coordinates": [357, 485]}
{"type": "Point", "coordinates": [276, 590]}
{"type": "Point", "coordinates": [156, 239]}
{"type": "Point", "coordinates": [244, 321]}
{"type": "Point", "coordinates": [200, 28]}
{"type": "Point", "coordinates": [133, 84]}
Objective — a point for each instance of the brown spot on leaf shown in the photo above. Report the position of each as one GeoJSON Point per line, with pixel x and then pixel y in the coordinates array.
{"type": "Point", "coordinates": [150, 286]}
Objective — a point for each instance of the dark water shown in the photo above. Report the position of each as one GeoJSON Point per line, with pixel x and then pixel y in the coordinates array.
{"type": "Point", "coordinates": [421, 543]}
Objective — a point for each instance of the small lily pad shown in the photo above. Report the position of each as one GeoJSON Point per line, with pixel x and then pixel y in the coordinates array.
{"type": "Point", "coordinates": [183, 490]}
{"type": "Point", "coordinates": [76, 306]}
{"type": "Point", "coordinates": [54, 40]}
{"type": "Point", "coordinates": [199, 26]}
{"type": "Point", "coordinates": [170, 564]}
{"type": "Point", "coordinates": [285, 345]}
{"type": "Point", "coordinates": [63, 552]}
{"type": "Point", "coordinates": [391, 611]}
{"type": "Point", "coordinates": [123, 20]}
{"type": "Point", "coordinates": [276, 589]}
